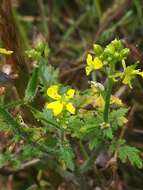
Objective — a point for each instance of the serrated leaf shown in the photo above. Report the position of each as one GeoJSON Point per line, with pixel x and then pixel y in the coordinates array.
{"type": "Point", "coordinates": [48, 74]}
{"type": "Point", "coordinates": [32, 86]}
{"type": "Point", "coordinates": [118, 113]}
{"type": "Point", "coordinates": [117, 117]}
{"type": "Point", "coordinates": [108, 133]}
{"type": "Point", "coordinates": [131, 154]}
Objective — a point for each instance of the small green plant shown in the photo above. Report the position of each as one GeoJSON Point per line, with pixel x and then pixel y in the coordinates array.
{"type": "Point", "coordinates": [67, 132]}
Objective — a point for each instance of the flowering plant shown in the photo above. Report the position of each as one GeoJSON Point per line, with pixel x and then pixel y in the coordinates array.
{"type": "Point", "coordinates": [74, 127]}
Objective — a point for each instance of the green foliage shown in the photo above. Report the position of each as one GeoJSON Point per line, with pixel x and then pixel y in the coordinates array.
{"type": "Point", "coordinates": [9, 123]}
{"type": "Point", "coordinates": [9, 159]}
{"type": "Point", "coordinates": [131, 154]}
{"type": "Point", "coordinates": [87, 121]}
{"type": "Point", "coordinates": [66, 157]}
{"type": "Point", "coordinates": [118, 117]}
{"type": "Point", "coordinates": [48, 75]}
{"type": "Point", "coordinates": [127, 153]}
{"type": "Point", "coordinates": [32, 86]}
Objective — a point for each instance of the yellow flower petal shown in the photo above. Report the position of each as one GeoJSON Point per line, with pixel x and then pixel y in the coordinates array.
{"type": "Point", "coordinates": [99, 101]}
{"type": "Point", "coordinates": [52, 92]}
{"type": "Point", "coordinates": [127, 79]}
{"type": "Point", "coordinates": [89, 59]}
{"type": "Point", "coordinates": [88, 70]}
{"type": "Point", "coordinates": [70, 108]}
{"type": "Point", "coordinates": [70, 94]}
{"type": "Point", "coordinates": [141, 74]}
{"type": "Point", "coordinates": [56, 107]}
{"type": "Point", "coordinates": [115, 100]}
{"type": "Point", "coordinates": [6, 52]}
{"type": "Point", "coordinates": [97, 63]}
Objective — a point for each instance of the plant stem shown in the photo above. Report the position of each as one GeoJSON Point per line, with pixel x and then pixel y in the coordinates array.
{"type": "Point", "coordinates": [108, 94]}
{"type": "Point", "coordinates": [93, 76]}
{"type": "Point", "coordinates": [43, 16]}
{"type": "Point", "coordinates": [88, 164]}
{"type": "Point", "coordinates": [98, 8]}
{"type": "Point", "coordinates": [14, 104]}
{"type": "Point", "coordinates": [83, 150]}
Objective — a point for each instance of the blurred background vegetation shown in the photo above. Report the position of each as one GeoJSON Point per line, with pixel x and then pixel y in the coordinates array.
{"type": "Point", "coordinates": [70, 28]}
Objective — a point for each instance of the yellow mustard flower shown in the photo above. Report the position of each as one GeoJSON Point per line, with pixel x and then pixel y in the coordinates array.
{"type": "Point", "coordinates": [62, 101]}
{"type": "Point", "coordinates": [116, 101]}
{"type": "Point", "coordinates": [129, 74]}
{"type": "Point", "coordinates": [99, 101]}
{"type": "Point", "coordinates": [92, 64]}
{"type": "Point", "coordinates": [6, 52]}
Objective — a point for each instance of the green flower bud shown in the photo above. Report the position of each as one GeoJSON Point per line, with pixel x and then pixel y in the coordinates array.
{"type": "Point", "coordinates": [46, 51]}
{"type": "Point", "coordinates": [109, 59]}
{"type": "Point", "coordinates": [40, 46]}
{"type": "Point", "coordinates": [97, 49]}
{"type": "Point", "coordinates": [116, 55]}
{"type": "Point", "coordinates": [117, 44]}
{"type": "Point", "coordinates": [33, 54]}
{"type": "Point", "coordinates": [124, 53]}
{"type": "Point", "coordinates": [109, 50]}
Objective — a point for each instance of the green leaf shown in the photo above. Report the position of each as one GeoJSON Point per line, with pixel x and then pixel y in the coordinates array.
{"type": "Point", "coordinates": [48, 74]}
{"type": "Point", "coordinates": [108, 133]}
{"type": "Point", "coordinates": [31, 89]}
{"type": "Point", "coordinates": [8, 158]}
{"type": "Point", "coordinates": [44, 117]}
{"type": "Point", "coordinates": [30, 151]}
{"type": "Point", "coordinates": [116, 143]}
{"type": "Point", "coordinates": [9, 123]}
{"type": "Point", "coordinates": [94, 142]}
{"type": "Point", "coordinates": [131, 154]}
{"type": "Point", "coordinates": [66, 155]}
{"type": "Point", "coordinates": [117, 117]}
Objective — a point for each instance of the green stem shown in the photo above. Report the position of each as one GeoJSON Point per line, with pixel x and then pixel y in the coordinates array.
{"type": "Point", "coordinates": [83, 150]}
{"type": "Point", "coordinates": [108, 95]}
{"type": "Point", "coordinates": [88, 164]}
{"type": "Point", "coordinates": [93, 75]}
{"type": "Point", "coordinates": [43, 16]}
{"type": "Point", "coordinates": [98, 8]}
{"type": "Point", "coordinates": [14, 104]}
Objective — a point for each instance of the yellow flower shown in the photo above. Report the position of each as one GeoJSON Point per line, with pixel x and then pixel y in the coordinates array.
{"type": "Point", "coordinates": [70, 108]}
{"type": "Point", "coordinates": [116, 101]}
{"type": "Point", "coordinates": [69, 94]}
{"type": "Point", "coordinates": [53, 92]}
{"type": "Point", "coordinates": [6, 52]}
{"type": "Point", "coordinates": [92, 64]}
{"type": "Point", "coordinates": [99, 101]}
{"type": "Point", "coordinates": [56, 107]}
{"type": "Point", "coordinates": [129, 74]}
{"type": "Point", "coordinates": [62, 101]}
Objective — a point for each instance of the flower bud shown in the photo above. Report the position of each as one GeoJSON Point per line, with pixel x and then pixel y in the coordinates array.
{"type": "Point", "coordinates": [124, 53]}
{"type": "Point", "coordinates": [97, 49]}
